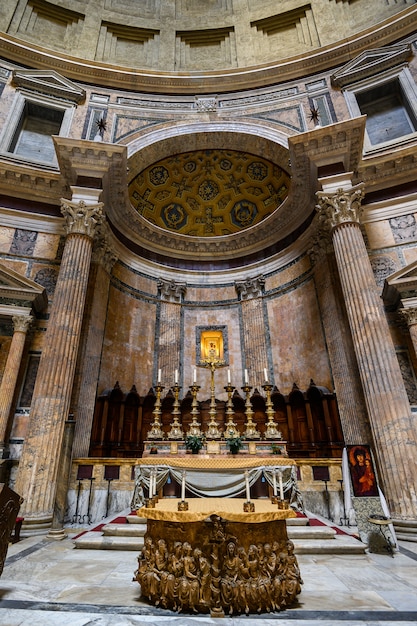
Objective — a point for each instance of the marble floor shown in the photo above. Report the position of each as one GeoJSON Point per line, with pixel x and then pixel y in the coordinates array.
{"type": "Point", "coordinates": [51, 583]}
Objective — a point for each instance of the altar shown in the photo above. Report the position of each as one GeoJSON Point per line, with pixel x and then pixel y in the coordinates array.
{"type": "Point", "coordinates": [217, 558]}
{"type": "Point", "coordinates": [221, 476]}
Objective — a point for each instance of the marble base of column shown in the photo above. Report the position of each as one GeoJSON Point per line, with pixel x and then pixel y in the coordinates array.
{"type": "Point", "coordinates": [36, 526]}
{"type": "Point", "coordinates": [405, 530]}
{"type": "Point", "coordinates": [57, 534]}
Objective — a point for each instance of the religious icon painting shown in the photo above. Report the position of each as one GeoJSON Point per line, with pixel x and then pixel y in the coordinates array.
{"type": "Point", "coordinates": [362, 471]}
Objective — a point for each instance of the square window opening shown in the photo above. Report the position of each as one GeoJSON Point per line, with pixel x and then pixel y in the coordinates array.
{"type": "Point", "coordinates": [389, 115]}
{"type": "Point", "coordinates": [33, 136]}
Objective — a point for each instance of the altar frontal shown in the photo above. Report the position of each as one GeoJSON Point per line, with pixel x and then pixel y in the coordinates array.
{"type": "Point", "coordinates": [215, 558]}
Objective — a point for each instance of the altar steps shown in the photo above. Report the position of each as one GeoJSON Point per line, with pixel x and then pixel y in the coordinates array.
{"type": "Point", "coordinates": [307, 537]}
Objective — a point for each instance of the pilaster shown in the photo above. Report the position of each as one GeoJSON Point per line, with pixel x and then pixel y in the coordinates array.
{"type": "Point", "coordinates": [350, 400]}
{"type": "Point", "coordinates": [85, 384]}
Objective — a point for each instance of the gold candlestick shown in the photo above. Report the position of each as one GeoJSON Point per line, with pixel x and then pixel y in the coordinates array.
{"type": "Point", "coordinates": [230, 426]}
{"type": "Point", "coordinates": [271, 431]}
{"type": "Point", "coordinates": [251, 431]}
{"type": "Point", "coordinates": [176, 431]}
{"type": "Point", "coordinates": [156, 430]}
{"type": "Point", "coordinates": [213, 430]}
{"type": "Point", "coordinates": [195, 426]}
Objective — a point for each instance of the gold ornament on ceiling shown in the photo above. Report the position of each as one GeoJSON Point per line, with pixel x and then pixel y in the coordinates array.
{"type": "Point", "coordinates": [209, 193]}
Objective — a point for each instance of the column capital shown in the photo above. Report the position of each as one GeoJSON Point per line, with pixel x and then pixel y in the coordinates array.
{"type": "Point", "coordinates": [22, 323]}
{"type": "Point", "coordinates": [409, 315]}
{"type": "Point", "coordinates": [171, 290]}
{"type": "Point", "coordinates": [250, 287]}
{"type": "Point", "coordinates": [340, 206]}
{"type": "Point", "coordinates": [82, 218]}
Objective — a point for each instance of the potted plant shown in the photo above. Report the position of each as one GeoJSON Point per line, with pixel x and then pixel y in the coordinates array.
{"type": "Point", "coordinates": [276, 449]}
{"type": "Point", "coordinates": [234, 442]}
{"type": "Point", "coordinates": [194, 443]}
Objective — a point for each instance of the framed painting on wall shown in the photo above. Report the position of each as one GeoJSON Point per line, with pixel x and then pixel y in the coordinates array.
{"type": "Point", "coordinates": [362, 471]}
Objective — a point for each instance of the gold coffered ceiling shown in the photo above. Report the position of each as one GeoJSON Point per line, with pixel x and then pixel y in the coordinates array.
{"type": "Point", "coordinates": [209, 193]}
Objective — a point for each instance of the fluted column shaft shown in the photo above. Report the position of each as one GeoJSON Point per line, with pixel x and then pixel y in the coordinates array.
{"type": "Point", "coordinates": [11, 371]}
{"type": "Point", "coordinates": [37, 475]}
{"type": "Point", "coordinates": [393, 430]}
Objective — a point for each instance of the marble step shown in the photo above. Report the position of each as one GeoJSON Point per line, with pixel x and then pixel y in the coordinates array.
{"type": "Point", "coordinates": [306, 539]}
{"type": "Point", "coordinates": [340, 544]}
{"type": "Point", "coordinates": [93, 540]}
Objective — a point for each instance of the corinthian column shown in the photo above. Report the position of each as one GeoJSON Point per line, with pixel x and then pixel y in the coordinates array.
{"type": "Point", "coordinates": [393, 431]}
{"type": "Point", "coordinates": [39, 464]}
{"type": "Point", "coordinates": [8, 384]}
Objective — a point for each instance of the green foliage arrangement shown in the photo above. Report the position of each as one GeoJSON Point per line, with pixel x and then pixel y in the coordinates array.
{"type": "Point", "coordinates": [194, 443]}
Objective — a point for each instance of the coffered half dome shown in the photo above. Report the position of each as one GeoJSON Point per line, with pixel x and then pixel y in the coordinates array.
{"type": "Point", "coordinates": [208, 193]}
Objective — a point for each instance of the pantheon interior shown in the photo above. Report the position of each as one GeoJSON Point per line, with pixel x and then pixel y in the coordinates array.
{"type": "Point", "coordinates": [207, 207]}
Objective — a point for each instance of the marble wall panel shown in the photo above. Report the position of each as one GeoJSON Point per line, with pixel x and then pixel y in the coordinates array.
{"type": "Point", "coordinates": [46, 246]}
{"type": "Point", "coordinates": [128, 351]}
{"type": "Point", "coordinates": [144, 284]}
{"type": "Point", "coordinates": [288, 274]}
{"type": "Point", "coordinates": [211, 294]}
{"type": "Point", "coordinates": [6, 238]}
{"type": "Point", "coordinates": [379, 234]}
{"type": "Point", "coordinates": [21, 267]}
{"type": "Point", "coordinates": [297, 342]}
{"type": "Point", "coordinates": [409, 254]}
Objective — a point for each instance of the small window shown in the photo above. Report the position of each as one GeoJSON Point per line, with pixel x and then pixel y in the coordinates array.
{"type": "Point", "coordinates": [389, 115]}
{"type": "Point", "coordinates": [33, 136]}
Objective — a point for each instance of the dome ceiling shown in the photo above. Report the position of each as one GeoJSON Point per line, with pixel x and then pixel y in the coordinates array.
{"type": "Point", "coordinates": [209, 193]}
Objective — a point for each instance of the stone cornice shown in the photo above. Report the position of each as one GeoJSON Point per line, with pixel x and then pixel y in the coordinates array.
{"type": "Point", "coordinates": [18, 288]}
{"type": "Point", "coordinates": [385, 33]}
{"type": "Point", "coordinates": [31, 182]}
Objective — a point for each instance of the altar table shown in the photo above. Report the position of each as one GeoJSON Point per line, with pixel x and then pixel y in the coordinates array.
{"type": "Point", "coordinates": [216, 476]}
{"type": "Point", "coordinates": [215, 558]}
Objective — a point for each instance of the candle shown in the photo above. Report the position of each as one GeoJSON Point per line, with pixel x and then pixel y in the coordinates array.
{"type": "Point", "coordinates": [176, 377]}
{"type": "Point", "coordinates": [228, 377]}
{"type": "Point", "coordinates": [281, 488]}
{"type": "Point", "coordinates": [247, 486]}
{"type": "Point", "coordinates": [150, 484]}
{"type": "Point", "coordinates": [159, 376]}
{"type": "Point", "coordinates": [246, 377]}
{"type": "Point", "coordinates": [183, 487]}
{"type": "Point", "coordinates": [274, 481]}
{"type": "Point", "coordinates": [195, 376]}
{"type": "Point", "coordinates": [154, 490]}
{"type": "Point", "coordinates": [266, 375]}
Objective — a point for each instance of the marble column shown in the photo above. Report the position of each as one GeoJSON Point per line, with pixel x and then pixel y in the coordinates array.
{"type": "Point", "coordinates": [39, 464]}
{"type": "Point", "coordinates": [393, 429]}
{"type": "Point", "coordinates": [11, 371]}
